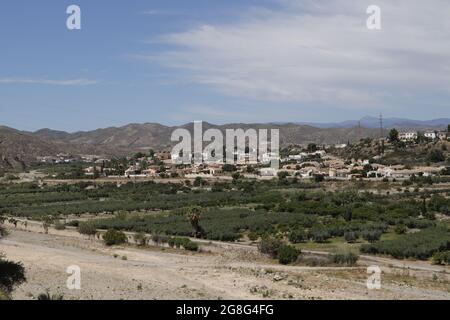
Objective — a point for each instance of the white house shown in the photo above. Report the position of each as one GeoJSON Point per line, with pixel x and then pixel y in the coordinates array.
{"type": "Point", "coordinates": [407, 136]}
{"type": "Point", "coordinates": [430, 135]}
{"type": "Point", "coordinates": [297, 157]}
{"type": "Point", "coordinates": [268, 172]}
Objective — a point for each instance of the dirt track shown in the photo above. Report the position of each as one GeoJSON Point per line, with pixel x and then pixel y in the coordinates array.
{"type": "Point", "coordinates": [216, 273]}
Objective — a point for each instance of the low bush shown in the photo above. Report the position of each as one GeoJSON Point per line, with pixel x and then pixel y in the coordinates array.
{"type": "Point", "coordinates": [287, 254]}
{"type": "Point", "coordinates": [12, 274]}
{"type": "Point", "coordinates": [348, 259]}
{"type": "Point", "coordinates": [270, 245]}
{"type": "Point", "coordinates": [252, 236]}
{"type": "Point", "coordinates": [400, 229]}
{"type": "Point", "coordinates": [372, 235]}
{"type": "Point", "coordinates": [298, 236]}
{"type": "Point", "coordinates": [140, 239]}
{"type": "Point", "coordinates": [87, 228]}
{"type": "Point", "coordinates": [48, 296]}
{"type": "Point", "coordinates": [113, 237]}
{"type": "Point", "coordinates": [190, 246]}
{"type": "Point", "coordinates": [60, 226]}
{"type": "Point", "coordinates": [350, 236]}
{"type": "Point", "coordinates": [441, 258]}
{"type": "Point", "coordinates": [185, 243]}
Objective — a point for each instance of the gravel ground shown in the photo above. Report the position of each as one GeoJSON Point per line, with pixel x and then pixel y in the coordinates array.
{"type": "Point", "coordinates": [215, 273]}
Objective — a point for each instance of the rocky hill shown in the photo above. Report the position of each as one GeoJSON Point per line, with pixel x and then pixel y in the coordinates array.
{"type": "Point", "coordinates": [18, 148]}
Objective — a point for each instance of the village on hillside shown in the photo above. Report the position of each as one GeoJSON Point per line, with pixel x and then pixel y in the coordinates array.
{"type": "Point", "coordinates": [366, 159]}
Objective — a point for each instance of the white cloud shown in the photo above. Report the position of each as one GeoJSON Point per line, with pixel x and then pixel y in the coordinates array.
{"type": "Point", "coordinates": [69, 82]}
{"type": "Point", "coordinates": [321, 51]}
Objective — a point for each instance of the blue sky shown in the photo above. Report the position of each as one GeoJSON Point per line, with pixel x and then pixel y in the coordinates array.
{"type": "Point", "coordinates": [221, 61]}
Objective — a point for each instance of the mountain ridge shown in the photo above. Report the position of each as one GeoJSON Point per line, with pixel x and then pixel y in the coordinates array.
{"type": "Point", "coordinates": [19, 148]}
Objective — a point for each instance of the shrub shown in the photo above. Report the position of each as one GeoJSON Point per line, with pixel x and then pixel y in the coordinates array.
{"type": "Point", "coordinates": [156, 239]}
{"type": "Point", "coordinates": [319, 235]}
{"type": "Point", "coordinates": [350, 236]}
{"type": "Point", "coordinates": [348, 259]}
{"type": "Point", "coordinates": [436, 155]}
{"type": "Point", "coordinates": [87, 228]}
{"type": "Point", "coordinates": [270, 245]}
{"type": "Point", "coordinates": [3, 232]}
{"type": "Point", "coordinates": [372, 235]}
{"type": "Point", "coordinates": [252, 236]}
{"type": "Point", "coordinates": [441, 258]}
{"type": "Point", "coordinates": [47, 296]}
{"type": "Point", "coordinates": [287, 254]}
{"type": "Point", "coordinates": [186, 243]}
{"type": "Point", "coordinates": [400, 229]}
{"type": "Point", "coordinates": [298, 236]}
{"type": "Point", "coordinates": [73, 223]}
{"type": "Point", "coordinates": [11, 274]}
{"type": "Point", "coordinates": [114, 237]}
{"type": "Point", "coordinates": [60, 226]}
{"type": "Point", "coordinates": [190, 246]}
{"type": "Point", "coordinates": [140, 239]}
{"type": "Point", "coordinates": [4, 296]}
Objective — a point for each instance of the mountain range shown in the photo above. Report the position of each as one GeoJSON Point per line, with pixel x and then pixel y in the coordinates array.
{"type": "Point", "coordinates": [19, 148]}
{"type": "Point", "coordinates": [374, 122]}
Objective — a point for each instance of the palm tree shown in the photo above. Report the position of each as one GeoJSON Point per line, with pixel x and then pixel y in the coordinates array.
{"type": "Point", "coordinates": [193, 214]}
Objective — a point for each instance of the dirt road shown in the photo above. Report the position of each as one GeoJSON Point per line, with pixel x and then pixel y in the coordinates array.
{"type": "Point", "coordinates": [215, 273]}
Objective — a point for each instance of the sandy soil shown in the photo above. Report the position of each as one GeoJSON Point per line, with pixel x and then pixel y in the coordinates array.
{"type": "Point", "coordinates": [215, 273]}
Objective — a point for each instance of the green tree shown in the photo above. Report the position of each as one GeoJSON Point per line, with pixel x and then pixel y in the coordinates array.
{"type": "Point", "coordinates": [393, 136]}
{"type": "Point", "coordinates": [350, 237]}
{"type": "Point", "coordinates": [229, 168]}
{"type": "Point", "coordinates": [298, 236]}
{"type": "Point", "coordinates": [436, 155]}
{"type": "Point", "coordinates": [282, 175]}
{"type": "Point", "coordinates": [312, 147]}
{"type": "Point", "coordinates": [138, 155]}
{"type": "Point", "coordinates": [198, 182]}
{"type": "Point", "coordinates": [372, 235]}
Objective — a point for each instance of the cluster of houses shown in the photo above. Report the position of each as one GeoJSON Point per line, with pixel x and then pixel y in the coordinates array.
{"type": "Point", "coordinates": [297, 163]}
{"type": "Point", "coordinates": [63, 158]}
{"type": "Point", "coordinates": [406, 136]}
{"type": "Point", "coordinates": [304, 165]}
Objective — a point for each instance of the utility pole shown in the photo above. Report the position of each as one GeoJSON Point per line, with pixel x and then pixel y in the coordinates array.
{"type": "Point", "coordinates": [359, 130]}
{"type": "Point", "coordinates": [381, 143]}
{"type": "Point", "coordinates": [381, 126]}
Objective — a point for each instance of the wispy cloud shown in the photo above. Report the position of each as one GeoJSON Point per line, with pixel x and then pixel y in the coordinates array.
{"type": "Point", "coordinates": [67, 82]}
{"type": "Point", "coordinates": [320, 51]}
{"type": "Point", "coordinates": [154, 12]}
